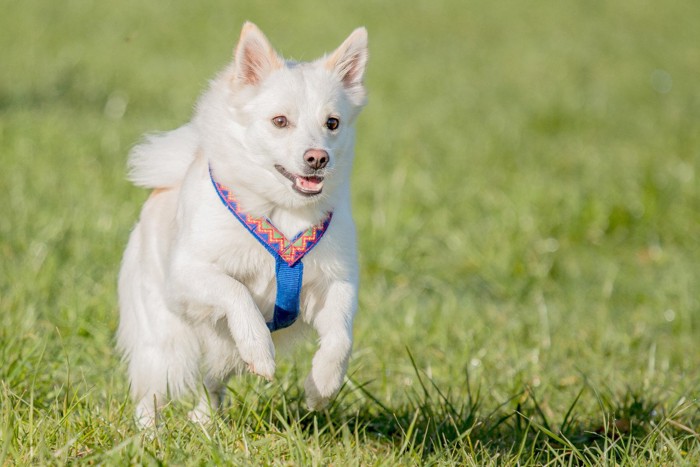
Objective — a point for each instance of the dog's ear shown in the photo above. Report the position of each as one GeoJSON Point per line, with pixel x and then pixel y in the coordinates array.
{"type": "Point", "coordinates": [254, 57]}
{"type": "Point", "coordinates": [349, 62]}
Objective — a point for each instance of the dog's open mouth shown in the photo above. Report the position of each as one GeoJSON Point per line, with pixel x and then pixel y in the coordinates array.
{"type": "Point", "coordinates": [307, 186]}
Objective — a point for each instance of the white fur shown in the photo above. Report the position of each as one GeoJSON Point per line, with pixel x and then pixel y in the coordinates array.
{"type": "Point", "coordinates": [195, 288]}
{"type": "Point", "coordinates": [162, 159]}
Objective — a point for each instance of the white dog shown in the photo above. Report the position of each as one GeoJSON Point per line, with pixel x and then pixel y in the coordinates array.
{"type": "Point", "coordinates": [212, 276]}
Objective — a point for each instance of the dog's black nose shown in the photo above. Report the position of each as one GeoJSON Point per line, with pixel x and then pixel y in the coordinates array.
{"type": "Point", "coordinates": [316, 158]}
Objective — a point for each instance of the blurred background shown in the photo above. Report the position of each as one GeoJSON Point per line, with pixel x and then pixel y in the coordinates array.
{"type": "Point", "coordinates": [525, 187]}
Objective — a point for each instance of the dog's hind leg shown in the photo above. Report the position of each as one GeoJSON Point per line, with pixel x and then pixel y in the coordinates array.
{"type": "Point", "coordinates": [160, 346]}
{"type": "Point", "coordinates": [220, 361]}
{"type": "Point", "coordinates": [210, 402]}
{"type": "Point", "coordinates": [158, 374]}
{"type": "Point", "coordinates": [163, 368]}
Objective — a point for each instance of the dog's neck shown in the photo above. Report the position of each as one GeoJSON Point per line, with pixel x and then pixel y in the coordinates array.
{"type": "Point", "coordinates": [292, 222]}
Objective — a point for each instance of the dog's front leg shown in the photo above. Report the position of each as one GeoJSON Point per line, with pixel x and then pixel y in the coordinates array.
{"type": "Point", "coordinates": [334, 326]}
{"type": "Point", "coordinates": [205, 285]}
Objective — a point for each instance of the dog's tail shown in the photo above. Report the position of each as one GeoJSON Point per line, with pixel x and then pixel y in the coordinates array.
{"type": "Point", "coordinates": [162, 159]}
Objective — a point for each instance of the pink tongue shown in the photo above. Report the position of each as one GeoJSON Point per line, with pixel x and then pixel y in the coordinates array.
{"type": "Point", "coordinates": [309, 183]}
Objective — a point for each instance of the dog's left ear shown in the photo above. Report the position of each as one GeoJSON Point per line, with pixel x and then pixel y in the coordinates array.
{"type": "Point", "coordinates": [348, 62]}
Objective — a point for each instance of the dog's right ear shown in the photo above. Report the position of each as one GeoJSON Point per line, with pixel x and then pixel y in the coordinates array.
{"type": "Point", "coordinates": [254, 57]}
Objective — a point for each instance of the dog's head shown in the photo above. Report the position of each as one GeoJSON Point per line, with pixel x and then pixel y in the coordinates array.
{"type": "Point", "coordinates": [285, 129]}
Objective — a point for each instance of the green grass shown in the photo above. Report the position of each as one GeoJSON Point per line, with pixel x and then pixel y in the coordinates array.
{"type": "Point", "coordinates": [526, 194]}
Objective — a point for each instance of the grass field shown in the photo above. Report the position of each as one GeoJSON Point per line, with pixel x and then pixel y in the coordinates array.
{"type": "Point", "coordinates": [527, 199]}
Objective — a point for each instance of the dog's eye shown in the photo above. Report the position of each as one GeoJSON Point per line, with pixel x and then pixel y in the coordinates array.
{"type": "Point", "coordinates": [332, 123]}
{"type": "Point", "coordinates": [280, 121]}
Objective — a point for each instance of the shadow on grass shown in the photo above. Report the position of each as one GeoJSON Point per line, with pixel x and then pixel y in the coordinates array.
{"type": "Point", "coordinates": [433, 423]}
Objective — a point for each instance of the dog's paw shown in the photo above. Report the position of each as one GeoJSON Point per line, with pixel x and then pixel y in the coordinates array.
{"type": "Point", "coordinates": [268, 372]}
{"type": "Point", "coordinates": [321, 388]}
{"type": "Point", "coordinates": [260, 358]}
{"type": "Point", "coordinates": [145, 415]}
{"type": "Point", "coordinates": [199, 415]}
{"type": "Point", "coordinates": [314, 400]}
{"type": "Point", "coordinates": [204, 411]}
{"type": "Point", "coordinates": [324, 380]}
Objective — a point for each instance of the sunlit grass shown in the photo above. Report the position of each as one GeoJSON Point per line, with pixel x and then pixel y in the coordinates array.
{"type": "Point", "coordinates": [528, 211]}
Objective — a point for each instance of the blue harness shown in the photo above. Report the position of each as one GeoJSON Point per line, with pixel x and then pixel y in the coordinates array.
{"type": "Point", "coordinates": [289, 269]}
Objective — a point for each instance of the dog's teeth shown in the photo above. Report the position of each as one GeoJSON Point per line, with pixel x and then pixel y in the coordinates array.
{"type": "Point", "coordinates": [309, 184]}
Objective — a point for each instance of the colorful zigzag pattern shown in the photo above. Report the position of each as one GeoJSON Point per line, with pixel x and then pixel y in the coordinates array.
{"type": "Point", "coordinates": [290, 251]}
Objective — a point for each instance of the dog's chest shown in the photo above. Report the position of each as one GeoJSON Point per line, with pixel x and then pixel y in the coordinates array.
{"type": "Point", "coordinates": [250, 264]}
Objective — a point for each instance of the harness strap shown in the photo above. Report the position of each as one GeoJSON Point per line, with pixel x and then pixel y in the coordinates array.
{"type": "Point", "coordinates": [289, 269]}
